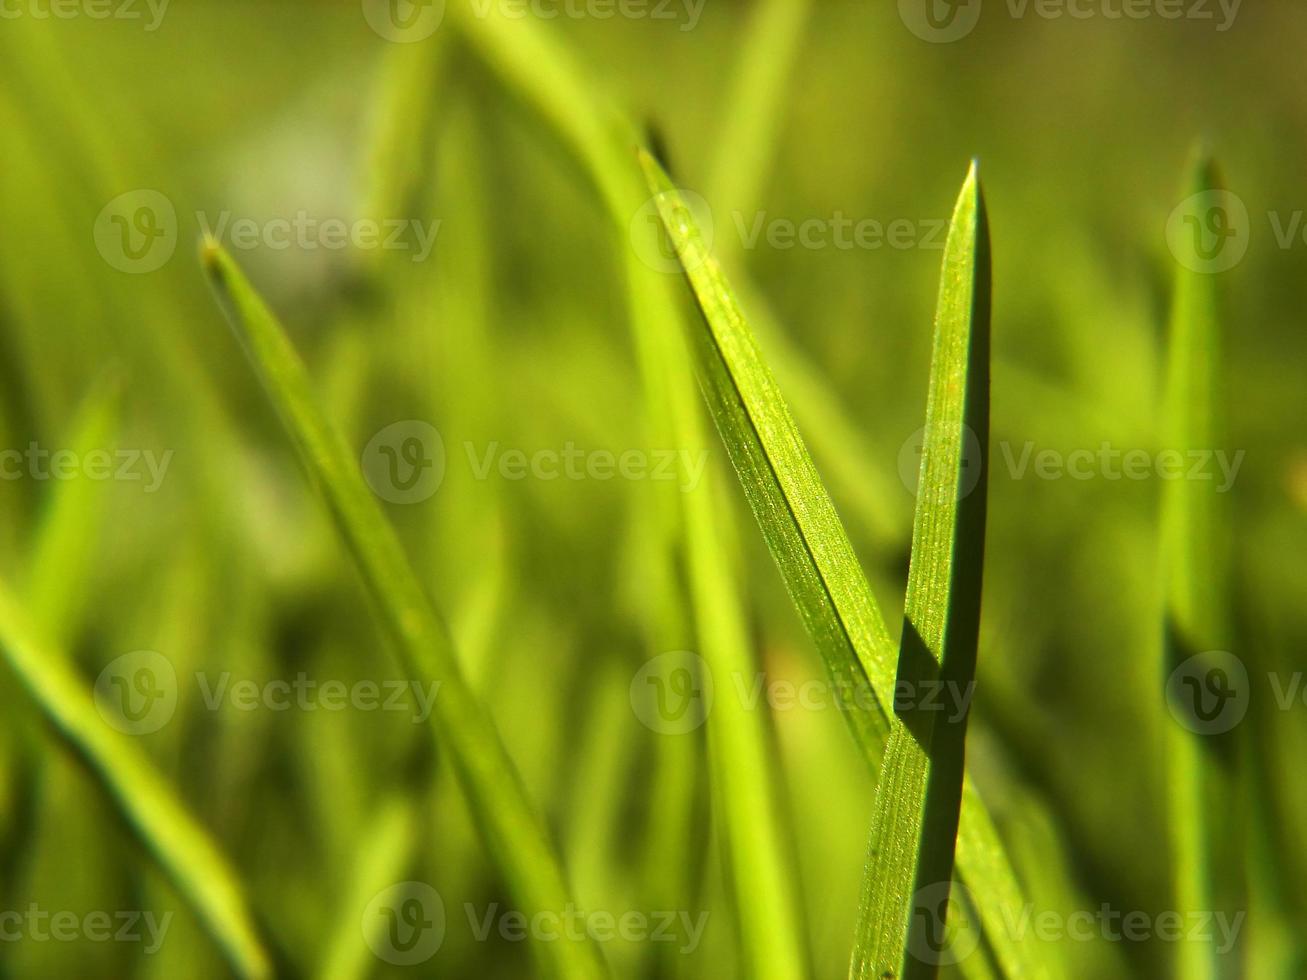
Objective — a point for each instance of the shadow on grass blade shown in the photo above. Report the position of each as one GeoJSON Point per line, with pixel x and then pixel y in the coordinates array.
{"type": "Point", "coordinates": [915, 823]}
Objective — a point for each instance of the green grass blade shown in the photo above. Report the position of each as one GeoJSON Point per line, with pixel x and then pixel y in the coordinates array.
{"type": "Point", "coordinates": [919, 795]}
{"type": "Point", "coordinates": [1196, 589]}
{"type": "Point", "coordinates": [812, 551]}
{"type": "Point", "coordinates": [183, 849]}
{"type": "Point", "coordinates": [384, 851]}
{"type": "Point", "coordinates": [514, 834]}
{"type": "Point", "coordinates": [66, 538]}
{"type": "Point", "coordinates": [781, 483]}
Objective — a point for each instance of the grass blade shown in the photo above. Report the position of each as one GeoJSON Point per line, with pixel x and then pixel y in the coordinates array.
{"type": "Point", "coordinates": [514, 834]}
{"type": "Point", "coordinates": [1196, 593]}
{"type": "Point", "coordinates": [184, 850]}
{"type": "Point", "coordinates": [812, 551]}
{"type": "Point", "coordinates": [920, 790]}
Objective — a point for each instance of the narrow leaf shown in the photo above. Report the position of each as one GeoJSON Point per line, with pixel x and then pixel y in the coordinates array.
{"type": "Point", "coordinates": [183, 849]}
{"type": "Point", "coordinates": [514, 834]}
{"type": "Point", "coordinates": [915, 823]}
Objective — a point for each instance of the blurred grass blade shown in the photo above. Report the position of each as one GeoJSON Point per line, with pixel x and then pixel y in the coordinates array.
{"type": "Point", "coordinates": [1196, 592]}
{"type": "Point", "coordinates": [384, 851]}
{"type": "Point", "coordinates": [66, 537]}
{"type": "Point", "coordinates": [514, 834]}
{"type": "Point", "coordinates": [918, 797]}
{"type": "Point", "coordinates": [150, 807]}
{"type": "Point", "coordinates": [813, 553]}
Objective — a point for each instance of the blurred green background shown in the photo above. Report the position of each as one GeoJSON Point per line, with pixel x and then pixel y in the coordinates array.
{"type": "Point", "coordinates": [512, 335]}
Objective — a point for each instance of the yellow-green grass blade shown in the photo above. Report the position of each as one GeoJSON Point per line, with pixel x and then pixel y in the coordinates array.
{"type": "Point", "coordinates": [1195, 617]}
{"type": "Point", "coordinates": [384, 851]}
{"type": "Point", "coordinates": [150, 807]}
{"type": "Point", "coordinates": [513, 832]}
{"type": "Point", "coordinates": [65, 539]}
{"type": "Point", "coordinates": [811, 550]}
{"type": "Point", "coordinates": [918, 797]}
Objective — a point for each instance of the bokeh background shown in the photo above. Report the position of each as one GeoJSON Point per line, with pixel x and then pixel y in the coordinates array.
{"type": "Point", "coordinates": [512, 334]}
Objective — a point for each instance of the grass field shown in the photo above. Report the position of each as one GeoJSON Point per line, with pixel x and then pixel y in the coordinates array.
{"type": "Point", "coordinates": [652, 488]}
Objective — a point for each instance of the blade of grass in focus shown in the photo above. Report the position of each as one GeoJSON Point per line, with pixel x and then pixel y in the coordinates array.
{"type": "Point", "coordinates": [184, 850]}
{"type": "Point", "coordinates": [813, 554]}
{"type": "Point", "coordinates": [1196, 590]}
{"type": "Point", "coordinates": [514, 834]}
{"type": "Point", "coordinates": [918, 796]}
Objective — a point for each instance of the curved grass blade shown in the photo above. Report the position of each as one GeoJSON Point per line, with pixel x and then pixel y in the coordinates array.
{"type": "Point", "coordinates": [809, 545]}
{"type": "Point", "coordinates": [919, 795]}
{"type": "Point", "coordinates": [513, 832]}
{"type": "Point", "coordinates": [184, 850]}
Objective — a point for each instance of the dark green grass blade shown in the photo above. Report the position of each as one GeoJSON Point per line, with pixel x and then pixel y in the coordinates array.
{"type": "Point", "coordinates": [812, 552]}
{"type": "Point", "coordinates": [919, 794]}
{"type": "Point", "coordinates": [513, 833]}
{"type": "Point", "coordinates": [184, 850]}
